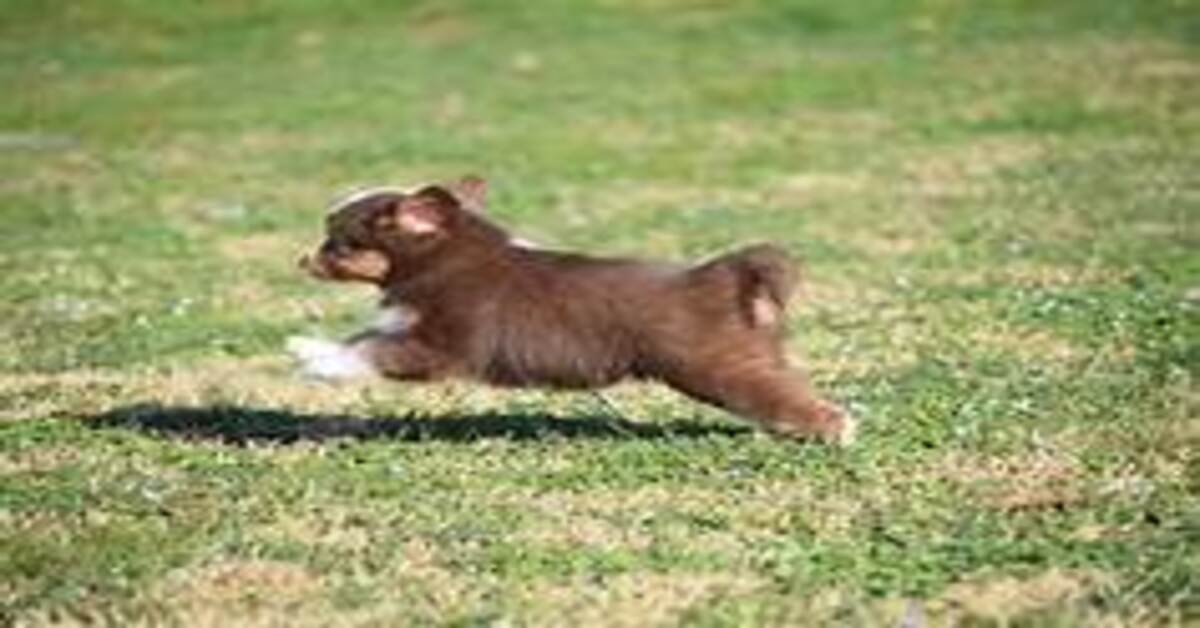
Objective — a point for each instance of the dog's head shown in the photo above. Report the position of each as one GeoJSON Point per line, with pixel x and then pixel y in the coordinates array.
{"type": "Point", "coordinates": [370, 235]}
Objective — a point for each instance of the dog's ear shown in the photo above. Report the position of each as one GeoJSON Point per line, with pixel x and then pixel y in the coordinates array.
{"type": "Point", "coordinates": [471, 191]}
{"type": "Point", "coordinates": [427, 211]}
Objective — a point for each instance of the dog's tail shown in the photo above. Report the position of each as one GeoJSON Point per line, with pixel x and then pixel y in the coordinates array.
{"type": "Point", "coordinates": [766, 277]}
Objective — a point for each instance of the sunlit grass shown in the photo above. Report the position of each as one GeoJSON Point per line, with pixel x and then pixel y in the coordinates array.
{"type": "Point", "coordinates": [995, 202]}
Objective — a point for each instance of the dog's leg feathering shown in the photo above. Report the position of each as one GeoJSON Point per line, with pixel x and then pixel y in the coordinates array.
{"type": "Point", "coordinates": [327, 359]}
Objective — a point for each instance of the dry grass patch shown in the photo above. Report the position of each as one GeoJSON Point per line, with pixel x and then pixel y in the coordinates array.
{"type": "Point", "coordinates": [264, 302]}
{"type": "Point", "coordinates": [578, 206]}
{"type": "Point", "coordinates": [439, 24]}
{"type": "Point", "coordinates": [635, 599]}
{"type": "Point", "coordinates": [876, 221]}
{"type": "Point", "coordinates": [1047, 478]}
{"type": "Point", "coordinates": [264, 381]}
{"type": "Point", "coordinates": [73, 170]}
{"type": "Point", "coordinates": [272, 248]}
{"type": "Point", "coordinates": [621, 133]}
{"type": "Point", "coordinates": [1005, 598]}
{"type": "Point", "coordinates": [421, 566]}
{"type": "Point", "coordinates": [825, 293]}
{"type": "Point", "coordinates": [38, 459]}
{"type": "Point", "coordinates": [1033, 346]}
{"type": "Point", "coordinates": [1030, 274]}
{"type": "Point", "coordinates": [573, 530]}
{"type": "Point", "coordinates": [826, 125]}
{"type": "Point", "coordinates": [38, 396]}
{"type": "Point", "coordinates": [417, 587]}
{"type": "Point", "coordinates": [1148, 76]}
{"type": "Point", "coordinates": [967, 169]}
{"type": "Point", "coordinates": [1122, 74]}
{"type": "Point", "coordinates": [188, 151]}
{"type": "Point", "coordinates": [886, 243]}
{"type": "Point", "coordinates": [803, 186]}
{"type": "Point", "coordinates": [613, 518]}
{"type": "Point", "coordinates": [333, 527]}
{"type": "Point", "coordinates": [244, 592]}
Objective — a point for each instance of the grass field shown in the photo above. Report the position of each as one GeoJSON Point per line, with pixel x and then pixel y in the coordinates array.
{"type": "Point", "coordinates": [998, 203]}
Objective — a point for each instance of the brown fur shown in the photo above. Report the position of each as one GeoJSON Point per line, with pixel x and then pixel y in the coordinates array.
{"type": "Point", "coordinates": [489, 310]}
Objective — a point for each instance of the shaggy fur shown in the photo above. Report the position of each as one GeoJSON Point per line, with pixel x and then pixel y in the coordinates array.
{"type": "Point", "coordinates": [463, 300]}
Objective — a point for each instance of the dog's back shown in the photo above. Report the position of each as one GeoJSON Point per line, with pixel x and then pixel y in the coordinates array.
{"type": "Point", "coordinates": [574, 321]}
{"type": "Point", "coordinates": [565, 320]}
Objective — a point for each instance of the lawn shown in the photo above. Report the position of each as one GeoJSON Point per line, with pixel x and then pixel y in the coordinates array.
{"type": "Point", "coordinates": [997, 202]}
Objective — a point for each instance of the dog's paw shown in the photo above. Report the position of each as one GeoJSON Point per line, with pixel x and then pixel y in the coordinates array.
{"type": "Point", "coordinates": [849, 432]}
{"type": "Point", "coordinates": [326, 359]}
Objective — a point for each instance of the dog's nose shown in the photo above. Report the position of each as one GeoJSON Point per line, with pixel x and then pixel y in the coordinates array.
{"type": "Point", "coordinates": [304, 262]}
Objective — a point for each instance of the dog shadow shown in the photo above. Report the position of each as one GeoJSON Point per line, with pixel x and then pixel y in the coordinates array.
{"type": "Point", "coordinates": [239, 425]}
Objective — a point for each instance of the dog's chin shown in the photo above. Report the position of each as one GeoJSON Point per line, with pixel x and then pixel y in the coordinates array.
{"type": "Point", "coordinates": [320, 274]}
{"type": "Point", "coordinates": [336, 277]}
{"type": "Point", "coordinates": [324, 271]}
{"type": "Point", "coordinates": [314, 268]}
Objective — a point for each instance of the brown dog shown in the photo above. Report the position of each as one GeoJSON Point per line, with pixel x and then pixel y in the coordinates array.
{"type": "Point", "coordinates": [462, 299]}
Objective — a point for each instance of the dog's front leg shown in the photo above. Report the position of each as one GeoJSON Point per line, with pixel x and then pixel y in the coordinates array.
{"type": "Point", "coordinates": [330, 359]}
{"type": "Point", "coordinates": [371, 352]}
{"type": "Point", "coordinates": [402, 356]}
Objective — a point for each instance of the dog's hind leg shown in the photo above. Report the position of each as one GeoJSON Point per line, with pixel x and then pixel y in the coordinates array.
{"type": "Point", "coordinates": [777, 397]}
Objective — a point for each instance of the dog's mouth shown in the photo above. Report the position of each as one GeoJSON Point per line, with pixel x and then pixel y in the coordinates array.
{"type": "Point", "coordinates": [315, 269]}
{"type": "Point", "coordinates": [369, 266]}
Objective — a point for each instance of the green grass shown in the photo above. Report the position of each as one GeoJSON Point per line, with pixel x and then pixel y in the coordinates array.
{"type": "Point", "coordinates": [998, 203]}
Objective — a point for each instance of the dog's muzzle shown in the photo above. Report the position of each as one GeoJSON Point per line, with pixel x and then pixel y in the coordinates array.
{"type": "Point", "coordinates": [313, 266]}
